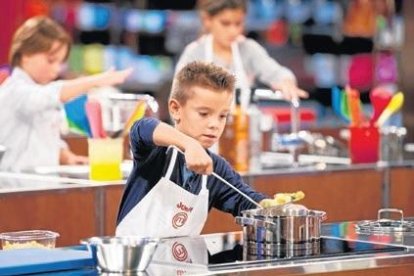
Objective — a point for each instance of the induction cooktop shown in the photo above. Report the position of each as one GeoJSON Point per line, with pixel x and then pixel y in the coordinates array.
{"type": "Point", "coordinates": [326, 248]}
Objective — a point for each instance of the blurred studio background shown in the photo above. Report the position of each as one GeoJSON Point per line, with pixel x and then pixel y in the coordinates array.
{"type": "Point", "coordinates": [327, 44]}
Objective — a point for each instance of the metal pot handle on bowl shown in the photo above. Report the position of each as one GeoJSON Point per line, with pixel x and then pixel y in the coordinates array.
{"type": "Point", "coordinates": [256, 222]}
{"type": "Point", "coordinates": [383, 211]}
{"type": "Point", "coordinates": [321, 214]}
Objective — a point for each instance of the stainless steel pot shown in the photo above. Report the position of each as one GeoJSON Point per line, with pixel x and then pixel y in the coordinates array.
{"type": "Point", "coordinates": [286, 227]}
{"type": "Point", "coordinates": [385, 225]}
{"type": "Point", "coordinates": [2, 151]}
{"type": "Point", "coordinates": [259, 251]}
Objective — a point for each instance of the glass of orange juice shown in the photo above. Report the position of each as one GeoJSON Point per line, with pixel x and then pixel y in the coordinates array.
{"type": "Point", "coordinates": [105, 157]}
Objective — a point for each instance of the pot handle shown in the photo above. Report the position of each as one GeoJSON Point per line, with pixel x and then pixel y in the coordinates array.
{"type": "Point", "coordinates": [255, 222]}
{"type": "Point", "coordinates": [390, 210]}
{"type": "Point", "coordinates": [319, 214]}
{"type": "Point", "coordinates": [324, 216]}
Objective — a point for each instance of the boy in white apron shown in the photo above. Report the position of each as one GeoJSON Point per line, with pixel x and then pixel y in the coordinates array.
{"type": "Point", "coordinates": [168, 194]}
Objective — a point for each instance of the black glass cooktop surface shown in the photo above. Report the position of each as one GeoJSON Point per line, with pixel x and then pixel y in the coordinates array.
{"type": "Point", "coordinates": [325, 248]}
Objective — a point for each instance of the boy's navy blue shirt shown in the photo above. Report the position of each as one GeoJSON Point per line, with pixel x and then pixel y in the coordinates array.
{"type": "Point", "coordinates": [150, 163]}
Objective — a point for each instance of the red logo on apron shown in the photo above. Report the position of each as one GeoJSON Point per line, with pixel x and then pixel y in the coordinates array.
{"type": "Point", "coordinates": [179, 252]}
{"type": "Point", "coordinates": [179, 219]}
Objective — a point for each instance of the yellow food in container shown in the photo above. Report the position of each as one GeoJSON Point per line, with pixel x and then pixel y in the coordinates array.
{"type": "Point", "coordinates": [28, 239]}
{"type": "Point", "coordinates": [282, 198]}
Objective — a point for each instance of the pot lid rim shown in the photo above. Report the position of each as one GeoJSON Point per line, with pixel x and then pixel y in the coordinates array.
{"type": "Point", "coordinates": [393, 226]}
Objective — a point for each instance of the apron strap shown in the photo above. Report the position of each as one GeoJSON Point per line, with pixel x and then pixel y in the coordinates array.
{"type": "Point", "coordinates": [172, 162]}
{"type": "Point", "coordinates": [172, 165]}
{"type": "Point", "coordinates": [209, 48]}
{"type": "Point", "coordinates": [204, 182]}
{"type": "Point", "coordinates": [242, 81]}
{"type": "Point", "coordinates": [241, 75]}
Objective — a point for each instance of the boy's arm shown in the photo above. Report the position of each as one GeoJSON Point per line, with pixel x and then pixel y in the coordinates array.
{"type": "Point", "coordinates": [272, 73]}
{"type": "Point", "coordinates": [196, 156]}
{"type": "Point", "coordinates": [73, 88]}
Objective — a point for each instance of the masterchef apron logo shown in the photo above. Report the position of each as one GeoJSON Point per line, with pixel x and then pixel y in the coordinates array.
{"type": "Point", "coordinates": [179, 252]}
{"type": "Point", "coordinates": [181, 272]}
{"type": "Point", "coordinates": [179, 220]}
{"type": "Point", "coordinates": [183, 207]}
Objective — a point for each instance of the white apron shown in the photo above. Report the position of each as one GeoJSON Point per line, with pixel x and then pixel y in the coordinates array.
{"type": "Point", "coordinates": [167, 210]}
{"type": "Point", "coordinates": [180, 256]}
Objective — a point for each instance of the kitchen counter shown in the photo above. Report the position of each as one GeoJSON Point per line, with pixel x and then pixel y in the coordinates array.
{"type": "Point", "coordinates": [57, 177]}
{"type": "Point", "coordinates": [224, 254]}
{"type": "Point", "coordinates": [28, 182]}
{"type": "Point", "coordinates": [319, 164]}
{"type": "Point", "coordinates": [75, 208]}
{"type": "Point", "coordinates": [77, 176]}
{"type": "Point", "coordinates": [342, 249]}
{"type": "Point", "coordinates": [50, 178]}
{"type": "Point", "coordinates": [311, 264]}
{"type": "Point", "coordinates": [54, 198]}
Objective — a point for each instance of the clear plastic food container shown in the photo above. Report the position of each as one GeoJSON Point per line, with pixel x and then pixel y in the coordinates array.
{"type": "Point", "coordinates": [28, 239]}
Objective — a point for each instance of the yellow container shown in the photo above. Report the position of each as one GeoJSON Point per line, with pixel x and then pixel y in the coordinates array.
{"type": "Point", "coordinates": [105, 157]}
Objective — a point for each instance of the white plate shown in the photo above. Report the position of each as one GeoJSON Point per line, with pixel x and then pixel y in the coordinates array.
{"type": "Point", "coordinates": [77, 171]}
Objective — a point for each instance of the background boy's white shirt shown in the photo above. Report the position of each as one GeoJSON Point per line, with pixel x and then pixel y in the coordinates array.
{"type": "Point", "coordinates": [30, 117]}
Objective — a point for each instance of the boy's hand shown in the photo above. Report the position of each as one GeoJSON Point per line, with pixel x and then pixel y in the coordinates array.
{"type": "Point", "coordinates": [112, 77]}
{"type": "Point", "coordinates": [78, 160]}
{"type": "Point", "coordinates": [197, 159]}
{"type": "Point", "coordinates": [290, 90]}
{"type": "Point", "coordinates": [69, 158]}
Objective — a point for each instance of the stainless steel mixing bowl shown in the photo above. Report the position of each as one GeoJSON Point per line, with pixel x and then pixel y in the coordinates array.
{"type": "Point", "coordinates": [121, 254]}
